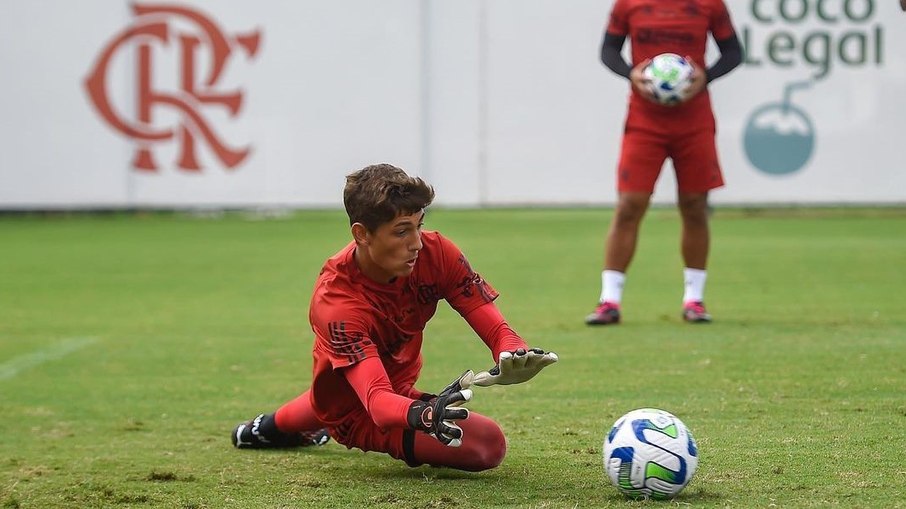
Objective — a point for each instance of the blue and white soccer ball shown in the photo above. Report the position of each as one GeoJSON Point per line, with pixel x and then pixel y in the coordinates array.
{"type": "Point", "coordinates": [669, 76]}
{"type": "Point", "coordinates": [650, 453]}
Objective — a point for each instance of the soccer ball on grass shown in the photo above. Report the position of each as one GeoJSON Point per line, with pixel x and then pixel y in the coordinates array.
{"type": "Point", "coordinates": [669, 77]}
{"type": "Point", "coordinates": [650, 453]}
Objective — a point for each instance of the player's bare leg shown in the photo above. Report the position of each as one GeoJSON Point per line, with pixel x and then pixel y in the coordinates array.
{"type": "Point", "coordinates": [624, 230]}
{"type": "Point", "coordinates": [695, 244]}
{"type": "Point", "coordinates": [622, 239]}
{"type": "Point", "coordinates": [696, 237]}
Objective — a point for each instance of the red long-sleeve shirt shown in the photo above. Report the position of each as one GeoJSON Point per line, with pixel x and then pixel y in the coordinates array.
{"type": "Point", "coordinates": [368, 335]}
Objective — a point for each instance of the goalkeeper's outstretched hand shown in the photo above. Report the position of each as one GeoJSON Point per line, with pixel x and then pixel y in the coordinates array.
{"type": "Point", "coordinates": [515, 367]}
{"type": "Point", "coordinates": [437, 417]}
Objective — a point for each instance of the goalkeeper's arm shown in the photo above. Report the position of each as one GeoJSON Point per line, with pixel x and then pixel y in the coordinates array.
{"type": "Point", "coordinates": [388, 409]}
{"type": "Point", "coordinates": [488, 322]}
{"type": "Point", "coordinates": [516, 362]}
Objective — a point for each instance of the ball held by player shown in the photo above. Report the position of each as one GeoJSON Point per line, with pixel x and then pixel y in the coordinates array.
{"type": "Point", "coordinates": [669, 78]}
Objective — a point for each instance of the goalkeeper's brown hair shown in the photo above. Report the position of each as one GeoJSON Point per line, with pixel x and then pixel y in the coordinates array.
{"type": "Point", "coordinates": [378, 193]}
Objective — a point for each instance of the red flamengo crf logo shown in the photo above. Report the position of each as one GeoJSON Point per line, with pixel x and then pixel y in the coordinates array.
{"type": "Point", "coordinates": [164, 26]}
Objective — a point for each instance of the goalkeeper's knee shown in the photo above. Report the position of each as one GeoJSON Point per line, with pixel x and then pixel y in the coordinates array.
{"type": "Point", "coordinates": [486, 442]}
{"type": "Point", "coordinates": [483, 447]}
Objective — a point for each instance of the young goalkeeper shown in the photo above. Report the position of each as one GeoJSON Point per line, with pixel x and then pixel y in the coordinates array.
{"type": "Point", "coordinates": [368, 311]}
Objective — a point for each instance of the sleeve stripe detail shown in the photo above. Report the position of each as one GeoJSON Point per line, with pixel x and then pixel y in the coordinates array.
{"type": "Point", "coordinates": [346, 344]}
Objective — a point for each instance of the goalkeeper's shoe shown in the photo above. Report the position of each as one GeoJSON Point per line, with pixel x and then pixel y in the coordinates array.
{"type": "Point", "coordinates": [694, 312]}
{"type": "Point", "coordinates": [248, 435]}
{"type": "Point", "coordinates": [607, 313]}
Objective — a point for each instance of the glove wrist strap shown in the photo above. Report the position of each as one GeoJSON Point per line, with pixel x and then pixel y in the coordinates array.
{"type": "Point", "coordinates": [420, 416]}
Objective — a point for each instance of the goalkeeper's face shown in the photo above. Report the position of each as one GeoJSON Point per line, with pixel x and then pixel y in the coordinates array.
{"type": "Point", "coordinates": [392, 249]}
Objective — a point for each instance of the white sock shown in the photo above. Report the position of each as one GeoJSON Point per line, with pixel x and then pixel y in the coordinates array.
{"type": "Point", "coordinates": [695, 284]}
{"type": "Point", "coordinates": [612, 286]}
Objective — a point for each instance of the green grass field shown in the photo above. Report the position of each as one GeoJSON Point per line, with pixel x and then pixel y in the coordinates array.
{"type": "Point", "coordinates": [131, 344]}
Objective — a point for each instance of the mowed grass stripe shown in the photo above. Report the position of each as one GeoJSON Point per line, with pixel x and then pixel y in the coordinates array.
{"type": "Point", "coordinates": [16, 365]}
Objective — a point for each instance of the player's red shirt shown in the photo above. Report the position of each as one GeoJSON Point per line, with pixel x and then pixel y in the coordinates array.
{"type": "Point", "coordinates": [670, 26]}
{"type": "Point", "coordinates": [354, 318]}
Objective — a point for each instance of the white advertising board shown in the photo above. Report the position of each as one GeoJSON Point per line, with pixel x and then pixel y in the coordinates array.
{"type": "Point", "coordinates": [230, 103]}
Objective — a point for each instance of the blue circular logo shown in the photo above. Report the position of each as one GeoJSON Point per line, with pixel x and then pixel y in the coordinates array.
{"type": "Point", "coordinates": [779, 137]}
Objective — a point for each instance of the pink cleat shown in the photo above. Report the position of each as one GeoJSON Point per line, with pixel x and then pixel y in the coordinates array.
{"type": "Point", "coordinates": [607, 313]}
{"type": "Point", "coordinates": [694, 312]}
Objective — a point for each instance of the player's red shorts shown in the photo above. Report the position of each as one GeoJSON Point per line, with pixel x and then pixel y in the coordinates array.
{"type": "Point", "coordinates": [688, 140]}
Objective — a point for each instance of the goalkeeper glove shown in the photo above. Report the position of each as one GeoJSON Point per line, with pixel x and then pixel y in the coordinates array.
{"type": "Point", "coordinates": [516, 367]}
{"type": "Point", "coordinates": [436, 417]}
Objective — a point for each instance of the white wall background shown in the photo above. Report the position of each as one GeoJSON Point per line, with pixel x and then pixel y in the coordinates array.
{"type": "Point", "coordinates": [495, 102]}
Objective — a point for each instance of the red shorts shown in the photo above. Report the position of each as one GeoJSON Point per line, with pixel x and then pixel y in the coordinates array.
{"type": "Point", "coordinates": [648, 142]}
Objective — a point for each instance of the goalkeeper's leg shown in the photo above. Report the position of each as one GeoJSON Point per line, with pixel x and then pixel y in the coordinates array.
{"type": "Point", "coordinates": [292, 425]}
{"type": "Point", "coordinates": [297, 415]}
{"type": "Point", "coordinates": [483, 446]}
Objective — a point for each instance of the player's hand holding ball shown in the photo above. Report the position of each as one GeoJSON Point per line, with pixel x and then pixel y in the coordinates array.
{"type": "Point", "coordinates": [698, 80]}
{"type": "Point", "coordinates": [641, 82]}
{"type": "Point", "coordinates": [668, 79]}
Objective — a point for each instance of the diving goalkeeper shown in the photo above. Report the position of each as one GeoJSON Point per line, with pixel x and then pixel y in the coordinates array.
{"type": "Point", "coordinates": [369, 309]}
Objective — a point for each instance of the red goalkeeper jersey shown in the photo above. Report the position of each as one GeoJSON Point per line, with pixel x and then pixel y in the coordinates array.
{"type": "Point", "coordinates": [354, 318]}
{"type": "Point", "coordinates": [670, 26]}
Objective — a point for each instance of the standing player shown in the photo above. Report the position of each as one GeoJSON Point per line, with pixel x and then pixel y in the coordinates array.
{"type": "Point", "coordinates": [369, 309]}
{"type": "Point", "coordinates": [653, 132]}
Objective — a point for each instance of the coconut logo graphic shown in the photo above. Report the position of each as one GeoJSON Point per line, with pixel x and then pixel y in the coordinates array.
{"type": "Point", "coordinates": [820, 36]}
{"type": "Point", "coordinates": [779, 137]}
